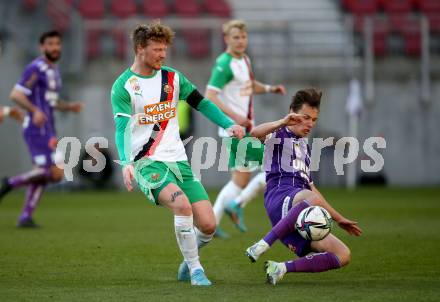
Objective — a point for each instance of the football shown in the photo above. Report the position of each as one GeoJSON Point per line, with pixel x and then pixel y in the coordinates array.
{"type": "Point", "coordinates": [314, 223]}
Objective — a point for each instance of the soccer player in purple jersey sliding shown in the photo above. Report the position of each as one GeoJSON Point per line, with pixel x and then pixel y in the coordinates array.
{"type": "Point", "coordinates": [38, 93]}
{"type": "Point", "coordinates": [290, 190]}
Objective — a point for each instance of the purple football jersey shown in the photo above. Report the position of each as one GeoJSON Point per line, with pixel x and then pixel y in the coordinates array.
{"type": "Point", "coordinates": [41, 83]}
{"type": "Point", "coordinates": [287, 164]}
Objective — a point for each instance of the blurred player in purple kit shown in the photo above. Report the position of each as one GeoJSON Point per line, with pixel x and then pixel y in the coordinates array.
{"type": "Point", "coordinates": [290, 190]}
{"type": "Point", "coordinates": [38, 93]}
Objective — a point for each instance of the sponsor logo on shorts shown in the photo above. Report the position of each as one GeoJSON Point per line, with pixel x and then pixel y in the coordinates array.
{"type": "Point", "coordinates": [155, 177]}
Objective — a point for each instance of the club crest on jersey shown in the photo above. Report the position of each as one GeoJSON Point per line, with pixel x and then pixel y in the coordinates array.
{"type": "Point", "coordinates": [135, 86]}
{"type": "Point", "coordinates": [167, 88]}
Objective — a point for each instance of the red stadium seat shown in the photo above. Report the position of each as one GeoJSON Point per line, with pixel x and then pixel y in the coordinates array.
{"type": "Point", "coordinates": [413, 43]}
{"type": "Point", "coordinates": [402, 23]}
{"type": "Point", "coordinates": [123, 8]}
{"type": "Point", "coordinates": [434, 23]}
{"type": "Point", "coordinates": [362, 7]}
{"type": "Point", "coordinates": [91, 9]}
{"type": "Point", "coordinates": [429, 6]}
{"type": "Point", "coordinates": [68, 4]}
{"type": "Point", "coordinates": [120, 38]}
{"type": "Point", "coordinates": [29, 5]}
{"type": "Point", "coordinates": [359, 22]}
{"type": "Point", "coordinates": [58, 12]}
{"type": "Point", "coordinates": [398, 6]}
{"type": "Point", "coordinates": [346, 4]}
{"type": "Point", "coordinates": [155, 8]}
{"type": "Point", "coordinates": [409, 28]}
{"type": "Point", "coordinates": [219, 8]}
{"type": "Point", "coordinates": [198, 42]}
{"type": "Point", "coordinates": [187, 8]}
{"type": "Point", "coordinates": [93, 43]}
{"type": "Point", "coordinates": [381, 32]}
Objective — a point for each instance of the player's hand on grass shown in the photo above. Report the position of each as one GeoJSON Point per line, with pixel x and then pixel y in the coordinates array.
{"type": "Point", "coordinates": [38, 118]}
{"type": "Point", "coordinates": [236, 131]}
{"type": "Point", "coordinates": [76, 107]}
{"type": "Point", "coordinates": [128, 176]}
{"type": "Point", "coordinates": [278, 89]}
{"type": "Point", "coordinates": [293, 119]}
{"type": "Point", "coordinates": [350, 227]}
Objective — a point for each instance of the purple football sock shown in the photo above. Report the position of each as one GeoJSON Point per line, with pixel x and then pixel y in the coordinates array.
{"type": "Point", "coordinates": [314, 263]}
{"type": "Point", "coordinates": [33, 195]}
{"type": "Point", "coordinates": [286, 224]}
{"type": "Point", "coordinates": [39, 175]}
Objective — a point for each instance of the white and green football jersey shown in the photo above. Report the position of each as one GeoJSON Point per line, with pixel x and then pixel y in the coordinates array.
{"type": "Point", "coordinates": [232, 78]}
{"type": "Point", "coordinates": [151, 104]}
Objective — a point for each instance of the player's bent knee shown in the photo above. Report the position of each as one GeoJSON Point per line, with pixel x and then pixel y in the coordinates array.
{"type": "Point", "coordinates": [207, 227]}
{"type": "Point", "coordinates": [344, 256]}
{"type": "Point", "coordinates": [241, 179]}
{"type": "Point", "coordinates": [313, 199]}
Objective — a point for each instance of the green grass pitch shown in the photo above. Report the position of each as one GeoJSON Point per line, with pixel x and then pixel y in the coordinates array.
{"type": "Point", "coordinates": [110, 246]}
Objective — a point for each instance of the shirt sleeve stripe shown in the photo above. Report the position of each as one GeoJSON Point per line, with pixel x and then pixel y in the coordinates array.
{"type": "Point", "coordinates": [23, 89]}
{"type": "Point", "coordinates": [122, 114]}
{"type": "Point", "coordinates": [214, 88]}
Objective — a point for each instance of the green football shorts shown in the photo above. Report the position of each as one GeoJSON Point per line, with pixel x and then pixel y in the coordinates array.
{"type": "Point", "coordinates": [153, 176]}
{"type": "Point", "coordinates": [245, 153]}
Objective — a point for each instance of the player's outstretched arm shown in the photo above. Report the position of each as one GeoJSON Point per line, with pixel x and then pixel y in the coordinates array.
{"type": "Point", "coordinates": [260, 88]}
{"type": "Point", "coordinates": [349, 226]}
{"type": "Point", "coordinates": [69, 106]}
{"type": "Point", "coordinates": [261, 131]}
{"type": "Point", "coordinates": [13, 112]}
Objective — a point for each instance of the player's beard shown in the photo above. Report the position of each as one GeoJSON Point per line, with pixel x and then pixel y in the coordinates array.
{"type": "Point", "coordinates": [157, 65]}
{"type": "Point", "coordinates": [53, 56]}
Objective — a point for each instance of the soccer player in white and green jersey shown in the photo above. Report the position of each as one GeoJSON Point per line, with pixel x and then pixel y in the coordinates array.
{"type": "Point", "coordinates": [144, 100]}
{"type": "Point", "coordinates": [231, 87]}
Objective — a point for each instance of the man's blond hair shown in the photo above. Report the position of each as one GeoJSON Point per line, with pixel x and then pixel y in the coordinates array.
{"type": "Point", "coordinates": [241, 25]}
{"type": "Point", "coordinates": [154, 31]}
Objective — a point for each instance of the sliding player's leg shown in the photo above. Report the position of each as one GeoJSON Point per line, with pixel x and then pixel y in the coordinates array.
{"type": "Point", "coordinates": [328, 253]}
{"type": "Point", "coordinates": [283, 212]}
